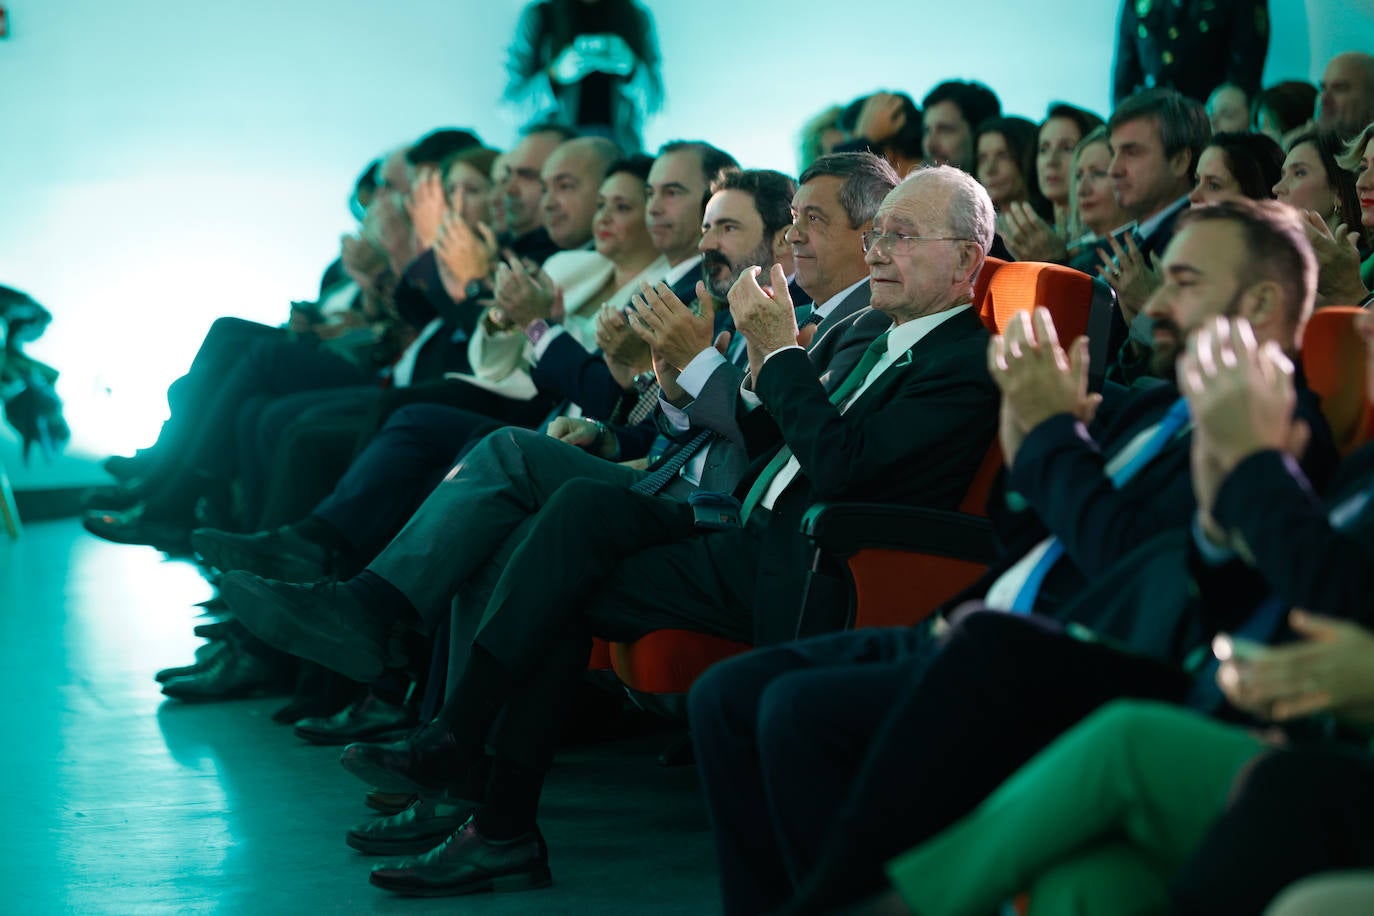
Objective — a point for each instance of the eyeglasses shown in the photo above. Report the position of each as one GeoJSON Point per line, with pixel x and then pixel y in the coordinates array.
{"type": "Point", "coordinates": [901, 243]}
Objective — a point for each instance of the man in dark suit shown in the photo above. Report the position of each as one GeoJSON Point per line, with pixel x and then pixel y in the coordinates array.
{"type": "Point", "coordinates": [1156, 138]}
{"type": "Point", "coordinates": [1190, 45]}
{"type": "Point", "coordinates": [783, 736]}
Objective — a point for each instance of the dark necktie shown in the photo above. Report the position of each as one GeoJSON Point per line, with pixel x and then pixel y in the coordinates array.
{"type": "Point", "coordinates": [654, 482]}
{"type": "Point", "coordinates": [851, 383]}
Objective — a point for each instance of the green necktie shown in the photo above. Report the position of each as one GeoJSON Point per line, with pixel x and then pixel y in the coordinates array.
{"type": "Point", "coordinates": [851, 383]}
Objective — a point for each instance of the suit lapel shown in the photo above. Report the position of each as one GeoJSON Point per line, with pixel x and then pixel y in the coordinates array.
{"type": "Point", "coordinates": [965, 324]}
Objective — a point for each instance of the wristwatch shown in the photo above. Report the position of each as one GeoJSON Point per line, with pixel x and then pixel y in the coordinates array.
{"type": "Point", "coordinates": [537, 329]}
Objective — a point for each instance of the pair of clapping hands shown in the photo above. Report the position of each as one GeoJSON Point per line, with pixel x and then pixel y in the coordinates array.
{"type": "Point", "coordinates": [1241, 397]}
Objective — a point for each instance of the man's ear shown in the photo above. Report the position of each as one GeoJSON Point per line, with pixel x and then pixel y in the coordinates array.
{"type": "Point", "coordinates": [970, 259]}
{"type": "Point", "coordinates": [780, 244]}
{"type": "Point", "coordinates": [1262, 306]}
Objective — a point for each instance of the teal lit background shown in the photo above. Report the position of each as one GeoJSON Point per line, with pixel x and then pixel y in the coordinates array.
{"type": "Point", "coordinates": [165, 163]}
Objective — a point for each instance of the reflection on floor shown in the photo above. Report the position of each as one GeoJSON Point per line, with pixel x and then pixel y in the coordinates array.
{"type": "Point", "coordinates": [118, 801]}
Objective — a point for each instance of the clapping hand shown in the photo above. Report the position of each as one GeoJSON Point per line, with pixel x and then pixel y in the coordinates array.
{"type": "Point", "coordinates": [1037, 378]}
{"type": "Point", "coordinates": [426, 207]}
{"type": "Point", "coordinates": [625, 354]}
{"type": "Point", "coordinates": [1240, 397]}
{"type": "Point", "coordinates": [1028, 236]}
{"type": "Point", "coordinates": [1131, 274]}
{"type": "Point", "coordinates": [463, 255]}
{"type": "Point", "coordinates": [673, 331]}
{"type": "Point", "coordinates": [765, 317]}
{"type": "Point", "coordinates": [1332, 670]}
{"type": "Point", "coordinates": [1338, 261]}
{"type": "Point", "coordinates": [363, 260]}
{"type": "Point", "coordinates": [524, 293]}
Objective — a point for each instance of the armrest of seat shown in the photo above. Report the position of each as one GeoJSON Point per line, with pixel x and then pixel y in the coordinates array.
{"type": "Point", "coordinates": [843, 529]}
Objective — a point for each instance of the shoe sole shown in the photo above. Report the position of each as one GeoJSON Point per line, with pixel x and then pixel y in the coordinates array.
{"type": "Point", "coordinates": [383, 801]}
{"type": "Point", "coordinates": [268, 618]}
{"type": "Point", "coordinates": [497, 884]}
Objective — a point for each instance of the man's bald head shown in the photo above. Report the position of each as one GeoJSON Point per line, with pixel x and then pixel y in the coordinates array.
{"type": "Point", "coordinates": [572, 176]}
{"type": "Point", "coordinates": [1346, 103]}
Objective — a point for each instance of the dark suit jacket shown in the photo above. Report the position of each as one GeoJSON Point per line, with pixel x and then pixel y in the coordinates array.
{"type": "Point", "coordinates": [916, 436]}
{"type": "Point", "coordinates": [1060, 473]}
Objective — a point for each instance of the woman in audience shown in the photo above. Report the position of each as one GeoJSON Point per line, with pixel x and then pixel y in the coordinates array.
{"type": "Point", "coordinates": [1358, 160]}
{"type": "Point", "coordinates": [1005, 155]}
{"type": "Point", "coordinates": [1233, 166]}
{"type": "Point", "coordinates": [468, 185]}
{"type": "Point", "coordinates": [1283, 108]}
{"type": "Point", "coordinates": [1313, 179]}
{"type": "Point", "coordinates": [1028, 235]}
{"type": "Point", "coordinates": [1319, 177]}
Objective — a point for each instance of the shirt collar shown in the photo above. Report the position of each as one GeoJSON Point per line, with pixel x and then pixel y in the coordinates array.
{"type": "Point", "coordinates": [676, 273]}
{"type": "Point", "coordinates": [1147, 228]}
{"type": "Point", "coordinates": [906, 335]}
{"type": "Point", "coordinates": [819, 312]}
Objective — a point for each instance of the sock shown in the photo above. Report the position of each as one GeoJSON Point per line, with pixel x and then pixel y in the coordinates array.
{"type": "Point", "coordinates": [382, 598]}
{"type": "Point", "coordinates": [511, 803]}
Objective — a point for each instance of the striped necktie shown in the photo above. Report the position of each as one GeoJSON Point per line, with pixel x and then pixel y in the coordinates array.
{"type": "Point", "coordinates": [654, 481]}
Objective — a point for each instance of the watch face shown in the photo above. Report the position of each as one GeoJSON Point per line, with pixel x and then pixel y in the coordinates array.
{"type": "Point", "coordinates": [474, 289]}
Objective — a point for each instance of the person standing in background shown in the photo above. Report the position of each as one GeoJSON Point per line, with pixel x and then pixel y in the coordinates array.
{"type": "Point", "coordinates": [1190, 45]}
{"type": "Point", "coordinates": [588, 64]}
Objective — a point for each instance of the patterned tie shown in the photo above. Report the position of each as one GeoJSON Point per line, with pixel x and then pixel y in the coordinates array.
{"type": "Point", "coordinates": [852, 381]}
{"type": "Point", "coordinates": [1173, 422]}
{"type": "Point", "coordinates": [812, 319]}
{"type": "Point", "coordinates": [648, 400]}
{"type": "Point", "coordinates": [654, 482]}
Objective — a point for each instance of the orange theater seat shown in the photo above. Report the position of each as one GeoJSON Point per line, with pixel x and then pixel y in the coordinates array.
{"type": "Point", "coordinates": [601, 655]}
{"type": "Point", "coordinates": [1333, 359]}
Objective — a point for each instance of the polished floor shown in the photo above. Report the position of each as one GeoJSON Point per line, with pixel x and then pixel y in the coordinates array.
{"type": "Point", "coordinates": [118, 801]}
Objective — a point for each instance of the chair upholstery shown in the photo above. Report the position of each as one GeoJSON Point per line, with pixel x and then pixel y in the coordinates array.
{"type": "Point", "coordinates": [1333, 358]}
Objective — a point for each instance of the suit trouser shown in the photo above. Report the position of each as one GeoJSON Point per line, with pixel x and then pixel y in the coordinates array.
{"type": "Point", "coordinates": [999, 689]}
{"type": "Point", "coordinates": [1095, 823]}
{"type": "Point", "coordinates": [772, 790]}
{"type": "Point", "coordinates": [400, 466]}
{"type": "Point", "coordinates": [600, 560]}
{"type": "Point", "coordinates": [506, 478]}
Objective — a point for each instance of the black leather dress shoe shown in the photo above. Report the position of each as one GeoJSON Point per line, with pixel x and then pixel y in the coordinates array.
{"type": "Point", "coordinates": [426, 760]}
{"type": "Point", "coordinates": [233, 674]}
{"type": "Point", "coordinates": [419, 828]}
{"type": "Point", "coordinates": [277, 554]}
{"type": "Point", "coordinates": [204, 655]}
{"type": "Point", "coordinates": [369, 719]}
{"type": "Point", "coordinates": [133, 526]}
{"type": "Point", "coordinates": [321, 623]}
{"type": "Point", "coordinates": [467, 863]}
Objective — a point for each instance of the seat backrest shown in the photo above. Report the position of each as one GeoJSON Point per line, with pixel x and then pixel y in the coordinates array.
{"type": "Point", "coordinates": [980, 290]}
{"type": "Point", "coordinates": [1333, 359]}
{"type": "Point", "coordinates": [1078, 304]}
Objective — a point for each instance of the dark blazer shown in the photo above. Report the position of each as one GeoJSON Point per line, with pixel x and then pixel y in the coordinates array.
{"type": "Point", "coordinates": [916, 436]}
{"type": "Point", "coordinates": [1060, 473]}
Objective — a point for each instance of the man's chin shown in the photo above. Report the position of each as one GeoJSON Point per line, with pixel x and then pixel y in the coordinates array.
{"type": "Point", "coordinates": [1164, 363]}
